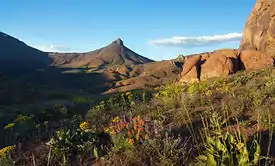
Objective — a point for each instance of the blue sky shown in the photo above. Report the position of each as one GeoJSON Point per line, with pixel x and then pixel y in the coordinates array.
{"type": "Point", "coordinates": [158, 29]}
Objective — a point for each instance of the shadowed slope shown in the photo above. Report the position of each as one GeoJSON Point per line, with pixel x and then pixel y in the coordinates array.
{"type": "Point", "coordinates": [17, 57]}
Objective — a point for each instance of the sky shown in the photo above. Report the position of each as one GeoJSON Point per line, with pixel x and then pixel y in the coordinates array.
{"type": "Point", "coordinates": [157, 29]}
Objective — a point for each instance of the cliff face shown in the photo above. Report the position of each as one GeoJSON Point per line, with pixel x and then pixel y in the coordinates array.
{"type": "Point", "coordinates": [259, 31]}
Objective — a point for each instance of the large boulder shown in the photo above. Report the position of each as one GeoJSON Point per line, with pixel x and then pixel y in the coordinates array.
{"type": "Point", "coordinates": [205, 56]}
{"type": "Point", "coordinates": [259, 31]}
{"type": "Point", "coordinates": [220, 63]}
{"type": "Point", "coordinates": [190, 62]}
{"type": "Point", "coordinates": [191, 76]}
{"type": "Point", "coordinates": [231, 53]}
{"type": "Point", "coordinates": [255, 60]}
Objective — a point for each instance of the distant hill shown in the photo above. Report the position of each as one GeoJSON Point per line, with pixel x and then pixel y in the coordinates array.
{"type": "Point", "coordinates": [112, 68]}
{"type": "Point", "coordinates": [112, 55]}
{"type": "Point", "coordinates": [17, 57]}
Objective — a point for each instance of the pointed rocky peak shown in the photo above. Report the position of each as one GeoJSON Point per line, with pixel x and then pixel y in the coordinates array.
{"type": "Point", "coordinates": [118, 41]}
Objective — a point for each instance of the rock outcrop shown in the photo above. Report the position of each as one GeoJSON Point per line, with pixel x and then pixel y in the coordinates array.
{"type": "Point", "coordinates": [259, 31]}
{"type": "Point", "coordinates": [190, 62]}
{"type": "Point", "coordinates": [256, 51]}
{"type": "Point", "coordinates": [220, 63]}
{"type": "Point", "coordinates": [253, 60]}
{"type": "Point", "coordinates": [191, 76]}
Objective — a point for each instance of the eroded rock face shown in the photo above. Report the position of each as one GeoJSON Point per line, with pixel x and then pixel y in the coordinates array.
{"type": "Point", "coordinates": [253, 60]}
{"type": "Point", "coordinates": [259, 31]}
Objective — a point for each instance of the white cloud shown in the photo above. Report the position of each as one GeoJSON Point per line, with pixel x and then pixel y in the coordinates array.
{"type": "Point", "coordinates": [197, 41]}
{"type": "Point", "coordinates": [52, 48]}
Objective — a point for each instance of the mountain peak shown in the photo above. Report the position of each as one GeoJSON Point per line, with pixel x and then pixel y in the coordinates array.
{"type": "Point", "coordinates": [118, 41]}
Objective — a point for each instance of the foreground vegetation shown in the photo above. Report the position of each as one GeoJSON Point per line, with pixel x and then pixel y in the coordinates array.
{"type": "Point", "coordinates": [223, 121]}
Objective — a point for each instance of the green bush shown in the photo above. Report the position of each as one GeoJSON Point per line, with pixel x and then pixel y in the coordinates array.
{"type": "Point", "coordinates": [78, 143]}
{"type": "Point", "coordinates": [227, 150]}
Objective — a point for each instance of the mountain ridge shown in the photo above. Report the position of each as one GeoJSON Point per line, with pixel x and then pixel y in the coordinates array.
{"type": "Point", "coordinates": [116, 53]}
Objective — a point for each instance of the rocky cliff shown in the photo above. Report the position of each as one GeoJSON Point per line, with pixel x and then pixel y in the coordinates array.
{"type": "Point", "coordinates": [259, 31]}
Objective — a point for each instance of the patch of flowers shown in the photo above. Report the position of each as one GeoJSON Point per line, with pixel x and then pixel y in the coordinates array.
{"type": "Point", "coordinates": [134, 129]}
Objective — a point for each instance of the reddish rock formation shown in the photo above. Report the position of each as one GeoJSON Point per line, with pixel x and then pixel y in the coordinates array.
{"type": "Point", "coordinates": [256, 51]}
{"type": "Point", "coordinates": [191, 76]}
{"type": "Point", "coordinates": [219, 64]}
{"type": "Point", "coordinates": [190, 62]}
{"type": "Point", "coordinates": [230, 53]}
{"type": "Point", "coordinates": [205, 56]}
{"type": "Point", "coordinates": [259, 31]}
{"type": "Point", "coordinates": [255, 60]}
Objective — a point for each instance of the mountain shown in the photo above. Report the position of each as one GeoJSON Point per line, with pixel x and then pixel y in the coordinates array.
{"type": "Point", "coordinates": [114, 54]}
{"type": "Point", "coordinates": [17, 57]}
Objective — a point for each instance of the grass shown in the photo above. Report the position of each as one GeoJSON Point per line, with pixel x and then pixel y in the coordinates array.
{"type": "Point", "coordinates": [223, 121]}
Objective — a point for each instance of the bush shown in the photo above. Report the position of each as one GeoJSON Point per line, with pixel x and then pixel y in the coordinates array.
{"type": "Point", "coordinates": [72, 143]}
{"type": "Point", "coordinates": [225, 149]}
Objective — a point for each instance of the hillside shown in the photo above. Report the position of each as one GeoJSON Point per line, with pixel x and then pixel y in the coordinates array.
{"type": "Point", "coordinates": [172, 123]}
{"type": "Point", "coordinates": [113, 106]}
{"type": "Point", "coordinates": [16, 56]}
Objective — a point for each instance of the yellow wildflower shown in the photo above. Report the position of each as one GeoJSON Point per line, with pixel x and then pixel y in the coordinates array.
{"type": "Point", "coordinates": [116, 119]}
{"type": "Point", "coordinates": [128, 93]}
{"type": "Point", "coordinates": [157, 95]}
{"type": "Point", "coordinates": [6, 150]}
{"type": "Point", "coordinates": [10, 125]}
{"type": "Point", "coordinates": [83, 125]}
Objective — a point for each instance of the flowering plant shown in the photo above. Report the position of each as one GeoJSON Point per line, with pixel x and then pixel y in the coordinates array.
{"type": "Point", "coordinates": [134, 129]}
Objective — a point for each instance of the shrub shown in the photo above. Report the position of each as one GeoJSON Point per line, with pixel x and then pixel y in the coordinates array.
{"type": "Point", "coordinates": [225, 149]}
{"type": "Point", "coordinates": [71, 143]}
{"type": "Point", "coordinates": [165, 150]}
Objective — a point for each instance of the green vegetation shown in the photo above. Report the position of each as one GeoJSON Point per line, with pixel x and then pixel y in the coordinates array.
{"type": "Point", "coordinates": [223, 121]}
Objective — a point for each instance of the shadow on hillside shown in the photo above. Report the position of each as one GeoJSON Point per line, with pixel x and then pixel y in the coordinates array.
{"type": "Point", "coordinates": [17, 58]}
{"type": "Point", "coordinates": [49, 84]}
{"type": "Point", "coordinates": [35, 91]}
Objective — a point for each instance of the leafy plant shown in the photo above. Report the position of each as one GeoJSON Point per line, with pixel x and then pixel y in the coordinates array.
{"type": "Point", "coordinates": [77, 142]}
{"type": "Point", "coordinates": [228, 150]}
